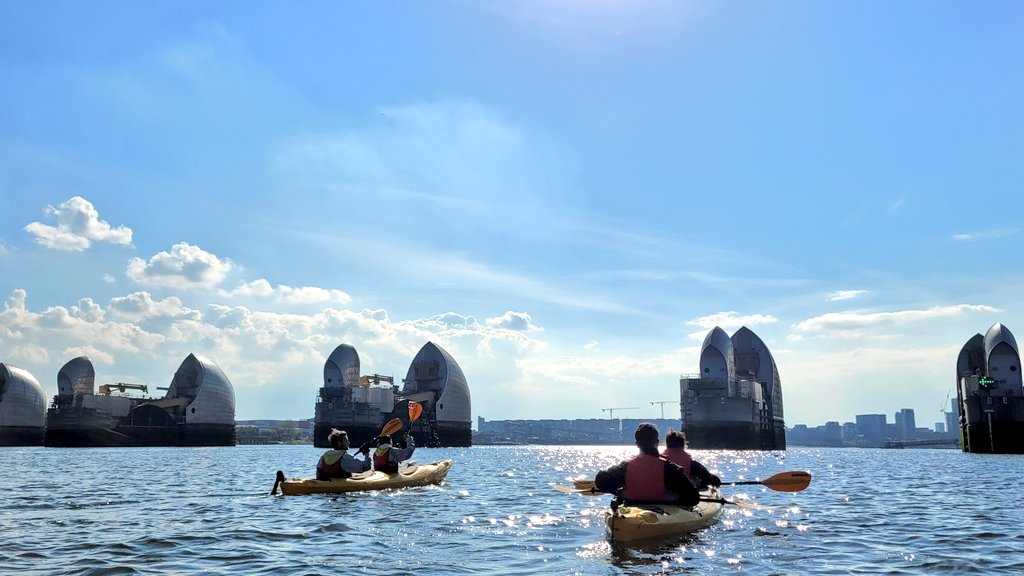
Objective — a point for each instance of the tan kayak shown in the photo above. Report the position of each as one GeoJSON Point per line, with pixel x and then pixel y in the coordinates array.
{"type": "Point", "coordinates": [629, 523]}
{"type": "Point", "coordinates": [407, 476]}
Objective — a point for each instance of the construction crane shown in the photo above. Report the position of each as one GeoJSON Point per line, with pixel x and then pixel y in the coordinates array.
{"type": "Point", "coordinates": [375, 379]}
{"type": "Point", "coordinates": [106, 389]}
{"type": "Point", "coordinates": [663, 402]}
{"type": "Point", "coordinates": [611, 411]}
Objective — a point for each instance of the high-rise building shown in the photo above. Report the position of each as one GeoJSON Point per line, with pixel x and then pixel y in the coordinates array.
{"type": "Point", "coordinates": [872, 428]}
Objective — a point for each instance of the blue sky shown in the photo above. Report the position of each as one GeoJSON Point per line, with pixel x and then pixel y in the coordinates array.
{"type": "Point", "coordinates": [565, 195]}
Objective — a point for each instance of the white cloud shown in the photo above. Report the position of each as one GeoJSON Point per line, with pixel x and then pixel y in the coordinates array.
{"type": "Point", "coordinates": [845, 295]}
{"type": "Point", "coordinates": [840, 321]}
{"type": "Point", "coordinates": [185, 266]}
{"type": "Point", "coordinates": [303, 295]}
{"type": "Point", "coordinates": [3, 249]}
{"type": "Point", "coordinates": [87, 310]}
{"type": "Point", "coordinates": [109, 279]}
{"type": "Point", "coordinates": [140, 306]}
{"type": "Point", "coordinates": [78, 226]}
{"type": "Point", "coordinates": [592, 346]}
{"type": "Point", "coordinates": [727, 321]}
{"type": "Point", "coordinates": [511, 321]}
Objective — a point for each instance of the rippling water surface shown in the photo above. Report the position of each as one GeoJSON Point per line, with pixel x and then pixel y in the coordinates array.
{"type": "Point", "coordinates": [207, 510]}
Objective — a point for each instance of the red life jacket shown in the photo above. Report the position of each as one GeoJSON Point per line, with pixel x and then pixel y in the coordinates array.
{"type": "Point", "coordinates": [645, 480]}
{"type": "Point", "coordinates": [330, 464]}
{"type": "Point", "coordinates": [679, 456]}
{"type": "Point", "coordinates": [382, 457]}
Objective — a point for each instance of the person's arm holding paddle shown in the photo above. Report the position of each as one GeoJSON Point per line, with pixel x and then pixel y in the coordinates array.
{"type": "Point", "coordinates": [702, 477]}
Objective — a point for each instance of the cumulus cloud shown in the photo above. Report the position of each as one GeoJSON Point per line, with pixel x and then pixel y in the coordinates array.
{"type": "Point", "coordinates": [302, 295]}
{"type": "Point", "coordinates": [141, 305]}
{"type": "Point", "coordinates": [840, 321]}
{"type": "Point", "coordinates": [845, 295]}
{"type": "Point", "coordinates": [511, 321]}
{"type": "Point", "coordinates": [87, 310]}
{"type": "Point", "coordinates": [185, 266]}
{"type": "Point", "coordinates": [592, 346]}
{"type": "Point", "coordinates": [109, 279]}
{"type": "Point", "coordinates": [78, 226]}
{"type": "Point", "coordinates": [727, 321]}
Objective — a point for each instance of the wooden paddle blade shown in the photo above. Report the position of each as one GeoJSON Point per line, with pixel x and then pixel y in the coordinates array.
{"type": "Point", "coordinates": [583, 484]}
{"type": "Point", "coordinates": [789, 481]}
{"type": "Point", "coordinates": [584, 491]}
{"type": "Point", "coordinates": [393, 425]}
{"type": "Point", "coordinates": [415, 409]}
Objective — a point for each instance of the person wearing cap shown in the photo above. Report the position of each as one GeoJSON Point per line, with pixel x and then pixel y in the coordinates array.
{"type": "Point", "coordinates": [675, 451]}
{"type": "Point", "coordinates": [337, 462]}
{"type": "Point", "coordinates": [387, 456]}
{"type": "Point", "coordinates": [647, 478]}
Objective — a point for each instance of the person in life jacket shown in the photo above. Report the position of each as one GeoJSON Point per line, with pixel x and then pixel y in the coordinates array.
{"type": "Point", "coordinates": [647, 478]}
{"type": "Point", "coordinates": [337, 462]}
{"type": "Point", "coordinates": [675, 451]}
{"type": "Point", "coordinates": [387, 456]}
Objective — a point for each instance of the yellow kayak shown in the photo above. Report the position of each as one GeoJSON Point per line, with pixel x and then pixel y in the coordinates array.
{"type": "Point", "coordinates": [629, 523]}
{"type": "Point", "coordinates": [407, 476]}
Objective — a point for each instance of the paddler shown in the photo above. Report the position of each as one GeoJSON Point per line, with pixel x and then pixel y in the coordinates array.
{"type": "Point", "coordinates": [675, 451]}
{"type": "Point", "coordinates": [647, 478]}
{"type": "Point", "coordinates": [337, 462]}
{"type": "Point", "coordinates": [387, 456]}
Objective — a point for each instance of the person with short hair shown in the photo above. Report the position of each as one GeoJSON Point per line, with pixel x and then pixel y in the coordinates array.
{"type": "Point", "coordinates": [675, 451]}
{"type": "Point", "coordinates": [647, 478]}
{"type": "Point", "coordinates": [337, 462]}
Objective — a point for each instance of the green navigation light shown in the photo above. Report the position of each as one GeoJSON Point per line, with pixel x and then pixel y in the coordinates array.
{"type": "Point", "coordinates": [986, 382]}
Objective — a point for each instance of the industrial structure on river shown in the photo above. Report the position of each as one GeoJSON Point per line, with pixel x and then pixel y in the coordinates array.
{"type": "Point", "coordinates": [360, 405]}
{"type": "Point", "coordinates": [197, 410]}
{"type": "Point", "coordinates": [22, 407]}
{"type": "Point", "coordinates": [990, 393]}
{"type": "Point", "coordinates": [735, 403]}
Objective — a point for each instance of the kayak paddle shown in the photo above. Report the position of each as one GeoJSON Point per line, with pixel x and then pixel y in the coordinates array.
{"type": "Point", "coordinates": [593, 491]}
{"type": "Point", "coordinates": [415, 409]}
{"type": "Point", "coordinates": [781, 482]}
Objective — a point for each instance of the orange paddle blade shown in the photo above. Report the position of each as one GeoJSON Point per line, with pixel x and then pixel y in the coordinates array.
{"type": "Point", "coordinates": [393, 425]}
{"type": "Point", "coordinates": [789, 481]}
{"type": "Point", "coordinates": [415, 409]}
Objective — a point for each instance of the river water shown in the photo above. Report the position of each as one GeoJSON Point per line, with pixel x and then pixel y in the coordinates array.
{"type": "Point", "coordinates": [207, 510]}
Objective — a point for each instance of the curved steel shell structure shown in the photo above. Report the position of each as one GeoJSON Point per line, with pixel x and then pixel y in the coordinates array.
{"type": "Point", "coordinates": [22, 407]}
{"type": "Point", "coordinates": [436, 381]}
{"type": "Point", "coordinates": [210, 396]}
{"type": "Point", "coordinates": [736, 400]}
{"type": "Point", "coordinates": [342, 367]}
{"type": "Point", "coordinates": [77, 376]}
{"type": "Point", "coordinates": [990, 393]}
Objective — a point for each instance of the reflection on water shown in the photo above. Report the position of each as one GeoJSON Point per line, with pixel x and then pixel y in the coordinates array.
{"type": "Point", "coordinates": [186, 511]}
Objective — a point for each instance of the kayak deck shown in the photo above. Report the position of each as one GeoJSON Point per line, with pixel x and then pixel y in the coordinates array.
{"type": "Point", "coordinates": [629, 523]}
{"type": "Point", "coordinates": [407, 476]}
